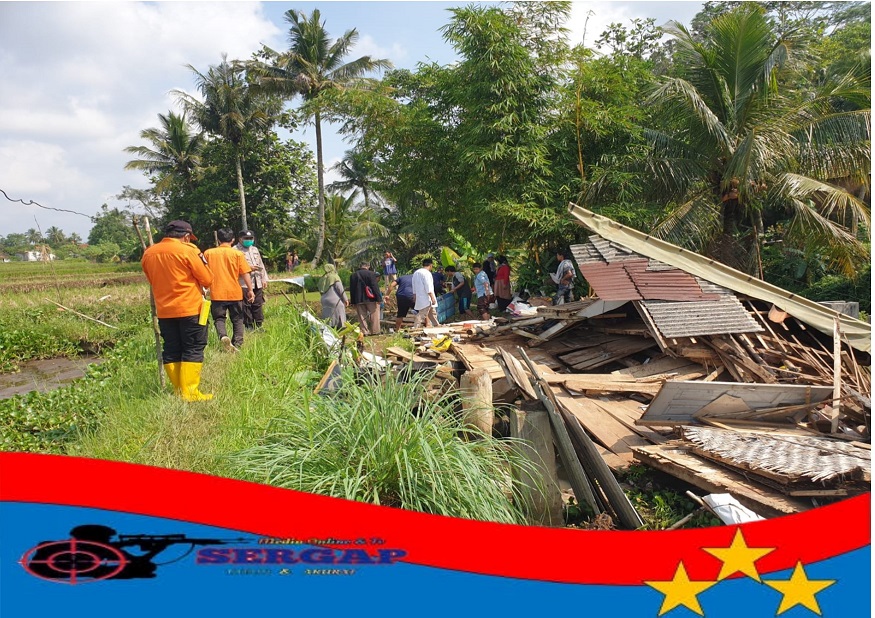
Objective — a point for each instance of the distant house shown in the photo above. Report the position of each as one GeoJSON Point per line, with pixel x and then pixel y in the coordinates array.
{"type": "Point", "coordinates": [35, 256]}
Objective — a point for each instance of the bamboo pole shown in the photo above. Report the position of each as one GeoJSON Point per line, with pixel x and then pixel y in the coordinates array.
{"type": "Point", "coordinates": [81, 315]}
{"type": "Point", "coordinates": [155, 328]}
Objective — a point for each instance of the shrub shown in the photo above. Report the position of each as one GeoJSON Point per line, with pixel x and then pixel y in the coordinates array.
{"type": "Point", "coordinates": [382, 441]}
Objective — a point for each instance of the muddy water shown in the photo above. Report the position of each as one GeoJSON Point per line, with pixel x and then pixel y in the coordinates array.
{"type": "Point", "coordinates": [44, 375]}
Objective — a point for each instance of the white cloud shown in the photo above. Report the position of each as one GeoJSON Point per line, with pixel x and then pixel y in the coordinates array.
{"type": "Point", "coordinates": [23, 166]}
{"type": "Point", "coordinates": [82, 79]}
{"type": "Point", "coordinates": [367, 46]}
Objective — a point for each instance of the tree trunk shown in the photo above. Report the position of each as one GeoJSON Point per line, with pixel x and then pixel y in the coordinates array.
{"type": "Point", "coordinates": [240, 191]}
{"type": "Point", "coordinates": [321, 181]}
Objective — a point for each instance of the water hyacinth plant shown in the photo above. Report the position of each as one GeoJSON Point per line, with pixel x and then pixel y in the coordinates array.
{"type": "Point", "coordinates": [382, 440]}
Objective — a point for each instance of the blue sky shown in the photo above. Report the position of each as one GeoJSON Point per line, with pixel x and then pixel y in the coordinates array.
{"type": "Point", "coordinates": [82, 79]}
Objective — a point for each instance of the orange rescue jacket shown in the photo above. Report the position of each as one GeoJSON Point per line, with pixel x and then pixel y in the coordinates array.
{"type": "Point", "coordinates": [177, 272]}
{"type": "Point", "coordinates": [227, 265]}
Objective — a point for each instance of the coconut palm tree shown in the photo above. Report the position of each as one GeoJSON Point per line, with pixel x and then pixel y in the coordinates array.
{"type": "Point", "coordinates": [174, 153]}
{"type": "Point", "coordinates": [55, 236]}
{"type": "Point", "coordinates": [230, 110]}
{"type": "Point", "coordinates": [353, 231]}
{"type": "Point", "coordinates": [314, 65]}
{"type": "Point", "coordinates": [733, 140]}
{"type": "Point", "coordinates": [356, 171]}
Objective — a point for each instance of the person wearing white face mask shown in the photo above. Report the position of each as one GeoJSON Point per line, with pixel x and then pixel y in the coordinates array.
{"type": "Point", "coordinates": [253, 312]}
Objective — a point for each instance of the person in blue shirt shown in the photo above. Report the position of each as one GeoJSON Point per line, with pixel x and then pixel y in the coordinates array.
{"type": "Point", "coordinates": [403, 297]}
{"type": "Point", "coordinates": [484, 291]}
{"type": "Point", "coordinates": [439, 280]}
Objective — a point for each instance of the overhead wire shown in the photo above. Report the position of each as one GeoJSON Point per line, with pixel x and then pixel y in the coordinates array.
{"type": "Point", "coordinates": [32, 203]}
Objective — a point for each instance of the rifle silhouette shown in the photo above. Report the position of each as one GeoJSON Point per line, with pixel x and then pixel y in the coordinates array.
{"type": "Point", "coordinates": [148, 542]}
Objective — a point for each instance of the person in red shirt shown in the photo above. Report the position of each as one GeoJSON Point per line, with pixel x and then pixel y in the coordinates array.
{"type": "Point", "coordinates": [228, 266]}
{"type": "Point", "coordinates": [178, 272]}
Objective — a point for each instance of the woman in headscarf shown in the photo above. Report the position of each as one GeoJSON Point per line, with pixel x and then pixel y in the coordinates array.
{"type": "Point", "coordinates": [503, 294]}
{"type": "Point", "coordinates": [334, 301]}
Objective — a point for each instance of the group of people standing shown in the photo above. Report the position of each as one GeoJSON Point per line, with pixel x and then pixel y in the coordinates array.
{"type": "Point", "coordinates": [179, 274]}
{"type": "Point", "coordinates": [417, 291]}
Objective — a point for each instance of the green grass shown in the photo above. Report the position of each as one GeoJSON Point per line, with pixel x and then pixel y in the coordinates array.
{"type": "Point", "coordinates": [32, 326]}
{"type": "Point", "coordinates": [365, 443]}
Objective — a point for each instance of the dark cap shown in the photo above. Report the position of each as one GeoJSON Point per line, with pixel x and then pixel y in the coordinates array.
{"type": "Point", "coordinates": [246, 234]}
{"type": "Point", "coordinates": [179, 226]}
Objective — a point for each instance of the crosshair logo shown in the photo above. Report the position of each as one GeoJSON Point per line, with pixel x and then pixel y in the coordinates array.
{"type": "Point", "coordinates": [73, 561]}
{"type": "Point", "coordinates": [95, 552]}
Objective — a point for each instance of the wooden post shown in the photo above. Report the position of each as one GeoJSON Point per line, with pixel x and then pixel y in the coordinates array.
{"type": "Point", "coordinates": [476, 394]}
{"type": "Point", "coordinates": [836, 375]}
{"type": "Point", "coordinates": [580, 483]}
{"type": "Point", "coordinates": [538, 485]}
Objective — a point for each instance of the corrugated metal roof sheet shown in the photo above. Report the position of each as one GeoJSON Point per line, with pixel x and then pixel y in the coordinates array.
{"type": "Point", "coordinates": [694, 319]}
{"type": "Point", "coordinates": [672, 284]}
{"type": "Point", "coordinates": [586, 254]}
{"type": "Point", "coordinates": [610, 281]}
{"type": "Point", "coordinates": [631, 280]}
{"type": "Point", "coordinates": [612, 252]}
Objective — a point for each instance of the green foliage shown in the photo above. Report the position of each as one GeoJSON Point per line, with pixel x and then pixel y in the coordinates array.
{"type": "Point", "coordinates": [849, 289]}
{"type": "Point", "coordinates": [382, 441]}
{"type": "Point", "coordinates": [279, 184]}
{"type": "Point", "coordinates": [744, 135]}
{"type": "Point", "coordinates": [113, 226]}
{"type": "Point", "coordinates": [660, 504]}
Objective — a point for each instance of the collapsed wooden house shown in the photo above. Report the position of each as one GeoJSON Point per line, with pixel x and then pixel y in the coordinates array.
{"type": "Point", "coordinates": [683, 364]}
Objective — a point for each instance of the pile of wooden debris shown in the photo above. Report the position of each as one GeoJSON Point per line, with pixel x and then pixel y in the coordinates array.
{"type": "Point", "coordinates": [684, 365]}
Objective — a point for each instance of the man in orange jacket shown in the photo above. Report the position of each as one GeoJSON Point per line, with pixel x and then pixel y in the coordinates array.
{"type": "Point", "coordinates": [228, 266]}
{"type": "Point", "coordinates": [178, 272]}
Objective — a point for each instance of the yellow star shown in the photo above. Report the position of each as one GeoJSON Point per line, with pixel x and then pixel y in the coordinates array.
{"type": "Point", "coordinates": [799, 590]}
{"type": "Point", "coordinates": [738, 557]}
{"type": "Point", "coordinates": [680, 591]}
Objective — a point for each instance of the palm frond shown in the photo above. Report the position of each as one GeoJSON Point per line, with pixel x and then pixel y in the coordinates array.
{"type": "Point", "coordinates": [692, 224]}
{"type": "Point", "coordinates": [678, 98]}
{"type": "Point", "coordinates": [809, 229]}
{"type": "Point", "coordinates": [830, 202]}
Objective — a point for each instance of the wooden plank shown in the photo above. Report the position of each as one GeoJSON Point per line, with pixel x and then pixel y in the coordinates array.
{"type": "Point", "coordinates": [580, 482]}
{"type": "Point", "coordinates": [586, 450]}
{"type": "Point", "coordinates": [679, 401]}
{"type": "Point", "coordinates": [610, 432]}
{"type": "Point", "coordinates": [475, 357]}
{"type": "Point", "coordinates": [517, 375]}
{"type": "Point", "coordinates": [598, 356]}
{"type": "Point", "coordinates": [677, 460]}
{"type": "Point", "coordinates": [442, 371]}
{"type": "Point", "coordinates": [660, 365]}
{"type": "Point", "coordinates": [581, 383]}
{"type": "Point", "coordinates": [728, 347]}
{"type": "Point", "coordinates": [627, 412]}
{"type": "Point", "coordinates": [651, 326]}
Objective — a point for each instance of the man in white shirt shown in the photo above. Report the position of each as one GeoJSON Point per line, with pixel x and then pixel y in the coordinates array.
{"type": "Point", "coordinates": [424, 300]}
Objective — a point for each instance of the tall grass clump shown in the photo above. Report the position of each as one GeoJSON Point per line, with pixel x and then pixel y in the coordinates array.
{"type": "Point", "coordinates": [384, 441]}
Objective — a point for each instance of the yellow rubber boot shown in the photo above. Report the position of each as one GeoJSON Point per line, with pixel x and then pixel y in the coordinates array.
{"type": "Point", "coordinates": [189, 381]}
{"type": "Point", "coordinates": [172, 371]}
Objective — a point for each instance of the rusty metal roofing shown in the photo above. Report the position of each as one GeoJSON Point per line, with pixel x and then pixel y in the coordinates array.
{"type": "Point", "coordinates": [692, 319]}
{"type": "Point", "coordinates": [632, 280]}
{"type": "Point", "coordinates": [610, 281]}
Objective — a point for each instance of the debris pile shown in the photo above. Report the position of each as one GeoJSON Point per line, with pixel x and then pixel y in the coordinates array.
{"type": "Point", "coordinates": [682, 364]}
